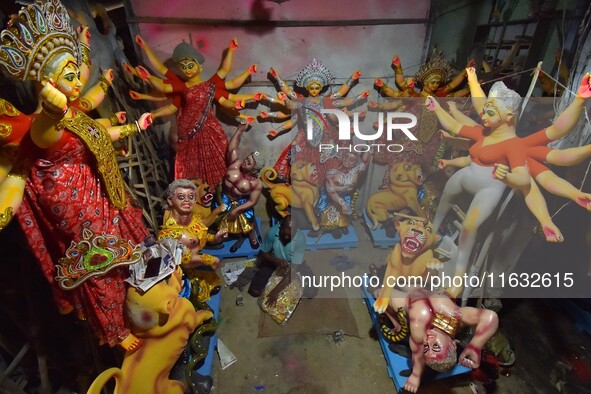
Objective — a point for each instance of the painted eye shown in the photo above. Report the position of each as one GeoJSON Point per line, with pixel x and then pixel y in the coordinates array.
{"type": "Point", "coordinates": [411, 222]}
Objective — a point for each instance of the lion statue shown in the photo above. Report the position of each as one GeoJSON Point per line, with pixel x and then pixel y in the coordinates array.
{"type": "Point", "coordinates": [405, 179]}
{"type": "Point", "coordinates": [163, 321]}
{"type": "Point", "coordinates": [412, 257]}
{"type": "Point", "coordinates": [280, 192]}
{"type": "Point", "coordinates": [302, 193]}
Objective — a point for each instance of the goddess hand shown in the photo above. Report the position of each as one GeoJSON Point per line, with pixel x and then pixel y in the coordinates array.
{"type": "Point", "coordinates": [585, 87]}
{"type": "Point", "coordinates": [83, 35]}
{"type": "Point", "coordinates": [108, 75]}
{"type": "Point", "coordinates": [121, 117]}
{"type": "Point", "coordinates": [431, 104]}
{"type": "Point", "coordinates": [53, 100]}
{"type": "Point", "coordinates": [500, 171]}
{"type": "Point", "coordinates": [145, 120]}
{"type": "Point", "coordinates": [471, 73]}
{"type": "Point", "coordinates": [273, 133]}
{"type": "Point", "coordinates": [128, 69]}
{"type": "Point", "coordinates": [142, 72]}
{"type": "Point", "coordinates": [259, 96]}
{"type": "Point", "coordinates": [140, 41]}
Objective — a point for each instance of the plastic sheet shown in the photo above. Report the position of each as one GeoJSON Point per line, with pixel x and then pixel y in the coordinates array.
{"type": "Point", "coordinates": [286, 302]}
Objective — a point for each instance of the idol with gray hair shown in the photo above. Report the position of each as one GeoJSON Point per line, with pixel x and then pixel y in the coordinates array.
{"type": "Point", "coordinates": [171, 189]}
{"type": "Point", "coordinates": [512, 160]}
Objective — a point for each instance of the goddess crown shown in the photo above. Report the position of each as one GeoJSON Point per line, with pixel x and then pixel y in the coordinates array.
{"type": "Point", "coordinates": [436, 66]}
{"type": "Point", "coordinates": [33, 37]}
{"type": "Point", "coordinates": [313, 72]}
{"type": "Point", "coordinates": [505, 98]}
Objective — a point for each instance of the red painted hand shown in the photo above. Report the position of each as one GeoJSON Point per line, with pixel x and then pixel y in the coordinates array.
{"type": "Point", "coordinates": [585, 87]}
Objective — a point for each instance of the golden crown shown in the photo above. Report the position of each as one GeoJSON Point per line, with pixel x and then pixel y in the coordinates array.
{"type": "Point", "coordinates": [33, 37]}
{"type": "Point", "coordinates": [313, 72]}
{"type": "Point", "coordinates": [436, 66]}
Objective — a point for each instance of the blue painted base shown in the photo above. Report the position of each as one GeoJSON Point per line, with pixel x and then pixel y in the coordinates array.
{"type": "Point", "coordinates": [245, 250]}
{"type": "Point", "coordinates": [206, 367]}
{"type": "Point", "coordinates": [327, 241]}
{"type": "Point", "coordinates": [396, 364]}
{"type": "Point", "coordinates": [378, 236]}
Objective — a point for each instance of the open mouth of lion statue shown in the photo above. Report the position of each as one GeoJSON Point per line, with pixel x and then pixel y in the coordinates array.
{"type": "Point", "coordinates": [413, 242]}
{"type": "Point", "coordinates": [206, 199]}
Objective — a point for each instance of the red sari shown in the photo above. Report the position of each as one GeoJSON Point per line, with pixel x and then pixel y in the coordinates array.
{"type": "Point", "coordinates": [201, 145]}
{"type": "Point", "coordinates": [65, 194]}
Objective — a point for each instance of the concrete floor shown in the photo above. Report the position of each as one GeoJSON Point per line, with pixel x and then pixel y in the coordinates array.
{"type": "Point", "coordinates": [316, 364]}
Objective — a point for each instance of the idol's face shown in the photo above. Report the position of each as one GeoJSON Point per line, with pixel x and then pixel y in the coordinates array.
{"type": "Point", "coordinates": [314, 89]}
{"type": "Point", "coordinates": [67, 78]}
{"type": "Point", "coordinates": [432, 84]}
{"type": "Point", "coordinates": [436, 345]}
{"type": "Point", "coordinates": [492, 116]}
{"type": "Point", "coordinates": [248, 164]}
{"type": "Point", "coordinates": [190, 68]}
{"type": "Point", "coordinates": [183, 200]}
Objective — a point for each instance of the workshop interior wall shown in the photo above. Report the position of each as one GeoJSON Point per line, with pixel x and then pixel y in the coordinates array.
{"type": "Point", "coordinates": [354, 35]}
